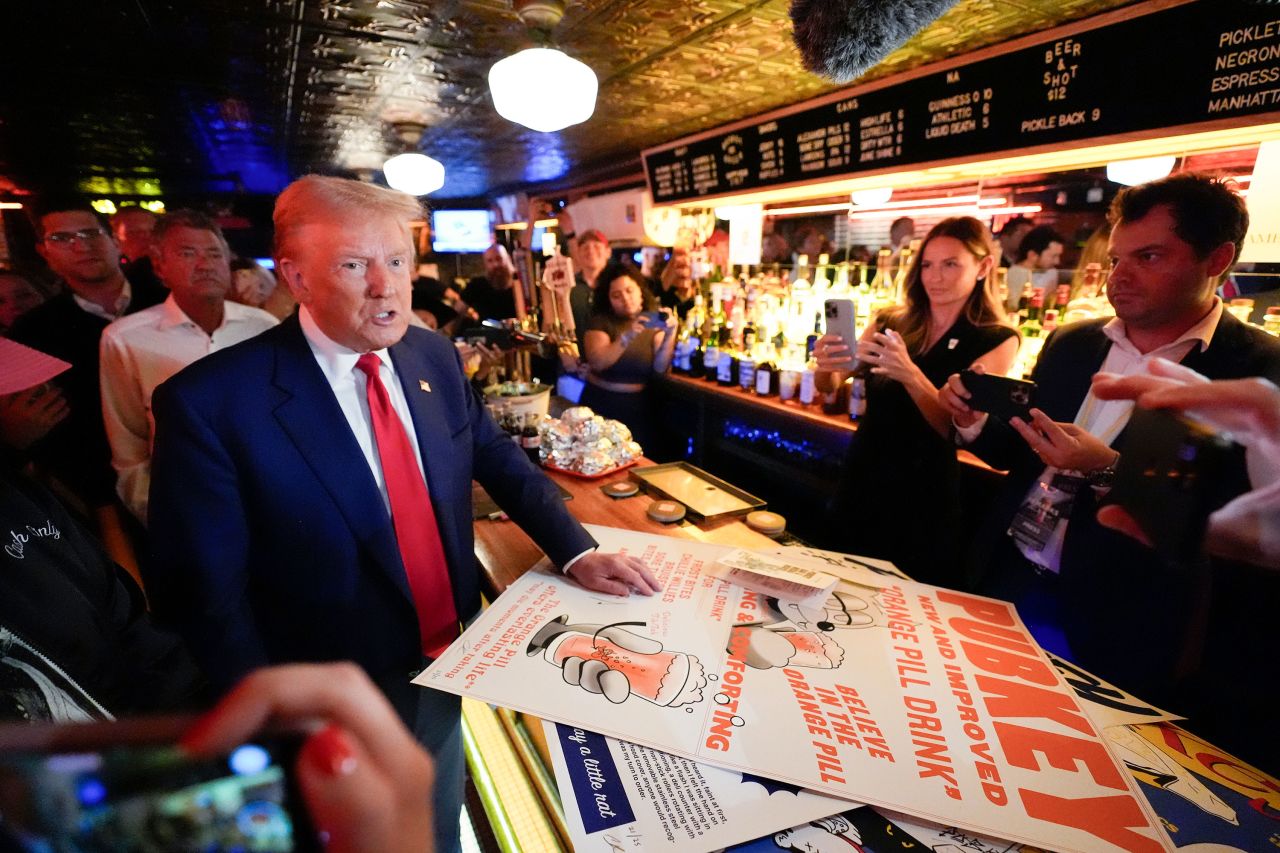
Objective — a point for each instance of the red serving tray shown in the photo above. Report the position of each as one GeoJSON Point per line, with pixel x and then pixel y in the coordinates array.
{"type": "Point", "coordinates": [582, 476]}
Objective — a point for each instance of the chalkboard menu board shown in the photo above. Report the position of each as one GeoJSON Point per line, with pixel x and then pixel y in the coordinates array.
{"type": "Point", "coordinates": [1199, 62]}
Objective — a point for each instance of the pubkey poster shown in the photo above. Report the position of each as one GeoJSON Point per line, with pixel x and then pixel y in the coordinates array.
{"type": "Point", "coordinates": [897, 694]}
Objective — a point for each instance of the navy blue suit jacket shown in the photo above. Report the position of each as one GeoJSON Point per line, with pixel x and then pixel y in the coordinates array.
{"type": "Point", "coordinates": [270, 540]}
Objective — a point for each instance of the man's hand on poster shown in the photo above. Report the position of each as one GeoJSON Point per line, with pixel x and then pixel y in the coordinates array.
{"type": "Point", "coordinates": [594, 677]}
{"type": "Point", "coordinates": [1247, 528]}
{"type": "Point", "coordinates": [1066, 447]}
{"type": "Point", "coordinates": [614, 574]}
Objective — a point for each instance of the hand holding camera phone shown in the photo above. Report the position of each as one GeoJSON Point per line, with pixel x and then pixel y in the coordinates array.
{"type": "Point", "coordinates": [128, 785]}
{"type": "Point", "coordinates": [841, 320]}
{"type": "Point", "coordinates": [656, 319]}
{"type": "Point", "coordinates": [999, 396]}
{"type": "Point", "coordinates": [230, 785]}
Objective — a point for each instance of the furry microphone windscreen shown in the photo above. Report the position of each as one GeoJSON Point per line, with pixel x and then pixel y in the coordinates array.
{"type": "Point", "coordinates": [841, 39]}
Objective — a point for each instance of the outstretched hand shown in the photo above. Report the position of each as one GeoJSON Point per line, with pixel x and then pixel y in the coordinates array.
{"type": "Point", "coordinates": [614, 574]}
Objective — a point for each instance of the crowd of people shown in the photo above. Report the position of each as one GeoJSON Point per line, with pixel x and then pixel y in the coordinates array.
{"type": "Point", "coordinates": [299, 476]}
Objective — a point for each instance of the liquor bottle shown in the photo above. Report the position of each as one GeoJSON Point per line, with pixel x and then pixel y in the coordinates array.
{"type": "Point", "coordinates": [882, 295]}
{"type": "Point", "coordinates": [1053, 316]}
{"type": "Point", "coordinates": [726, 369]}
{"type": "Point", "coordinates": [710, 360]}
{"type": "Point", "coordinates": [857, 384]}
{"type": "Point", "coordinates": [808, 386]}
{"type": "Point", "coordinates": [746, 371]}
{"type": "Point", "coordinates": [530, 439]}
{"type": "Point", "coordinates": [718, 334]}
{"type": "Point", "coordinates": [821, 274]}
{"type": "Point", "coordinates": [1000, 286]}
{"type": "Point", "coordinates": [767, 374]}
{"type": "Point", "coordinates": [841, 287]}
{"type": "Point", "coordinates": [904, 265]}
{"type": "Point", "coordinates": [737, 321]}
{"type": "Point", "coordinates": [697, 359]}
{"type": "Point", "coordinates": [802, 270]}
{"type": "Point", "coordinates": [1031, 326]}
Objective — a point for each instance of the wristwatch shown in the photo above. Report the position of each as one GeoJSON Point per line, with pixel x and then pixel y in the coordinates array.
{"type": "Point", "coordinates": [1103, 478]}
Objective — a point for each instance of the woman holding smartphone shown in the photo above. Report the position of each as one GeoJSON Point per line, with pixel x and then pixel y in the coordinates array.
{"type": "Point", "coordinates": [899, 496]}
{"type": "Point", "coordinates": [626, 342]}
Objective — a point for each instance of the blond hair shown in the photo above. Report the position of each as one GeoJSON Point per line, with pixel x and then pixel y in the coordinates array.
{"type": "Point", "coordinates": [316, 198]}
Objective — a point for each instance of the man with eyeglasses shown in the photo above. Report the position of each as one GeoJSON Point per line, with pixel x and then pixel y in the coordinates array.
{"type": "Point", "coordinates": [81, 251]}
{"type": "Point", "coordinates": [142, 350]}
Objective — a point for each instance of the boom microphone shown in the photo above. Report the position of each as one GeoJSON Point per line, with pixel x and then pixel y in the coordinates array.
{"type": "Point", "coordinates": [841, 39]}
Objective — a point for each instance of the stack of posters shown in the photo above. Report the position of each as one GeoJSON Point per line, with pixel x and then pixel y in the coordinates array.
{"type": "Point", "coordinates": [919, 700]}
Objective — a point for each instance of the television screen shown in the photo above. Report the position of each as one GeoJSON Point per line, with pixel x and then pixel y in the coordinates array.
{"type": "Point", "coordinates": [460, 230]}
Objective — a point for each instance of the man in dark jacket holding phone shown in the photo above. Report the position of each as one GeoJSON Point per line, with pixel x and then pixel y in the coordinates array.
{"type": "Point", "coordinates": [1088, 592]}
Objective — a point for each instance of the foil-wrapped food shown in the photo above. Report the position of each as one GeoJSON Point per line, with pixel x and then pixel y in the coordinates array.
{"type": "Point", "coordinates": [582, 441]}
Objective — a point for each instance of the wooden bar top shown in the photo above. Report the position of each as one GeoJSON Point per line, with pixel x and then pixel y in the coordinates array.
{"type": "Point", "coordinates": [505, 552]}
{"type": "Point", "coordinates": [685, 386]}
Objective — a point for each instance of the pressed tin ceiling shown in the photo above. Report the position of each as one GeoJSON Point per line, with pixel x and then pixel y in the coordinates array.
{"type": "Point", "coordinates": [191, 97]}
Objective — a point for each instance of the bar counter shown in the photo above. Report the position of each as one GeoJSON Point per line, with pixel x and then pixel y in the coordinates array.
{"type": "Point", "coordinates": [787, 454]}
{"type": "Point", "coordinates": [505, 552]}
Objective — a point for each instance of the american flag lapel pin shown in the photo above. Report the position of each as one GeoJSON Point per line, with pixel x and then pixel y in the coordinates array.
{"type": "Point", "coordinates": [424, 385]}
{"type": "Point", "coordinates": [953, 343]}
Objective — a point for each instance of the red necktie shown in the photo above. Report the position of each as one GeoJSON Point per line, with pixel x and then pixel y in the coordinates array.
{"type": "Point", "coordinates": [413, 517]}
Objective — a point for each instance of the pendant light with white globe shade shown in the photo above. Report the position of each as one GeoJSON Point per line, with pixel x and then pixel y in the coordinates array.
{"type": "Point", "coordinates": [415, 174]}
{"type": "Point", "coordinates": [541, 87]}
{"type": "Point", "coordinates": [412, 172]}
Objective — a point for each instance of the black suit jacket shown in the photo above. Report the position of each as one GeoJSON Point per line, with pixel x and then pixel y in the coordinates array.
{"type": "Point", "coordinates": [1118, 594]}
{"type": "Point", "coordinates": [76, 451]}
{"type": "Point", "coordinates": [270, 539]}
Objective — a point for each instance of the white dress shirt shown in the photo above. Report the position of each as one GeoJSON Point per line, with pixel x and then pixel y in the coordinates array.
{"type": "Point", "coordinates": [121, 304]}
{"type": "Point", "coordinates": [140, 351]}
{"type": "Point", "coordinates": [338, 363]}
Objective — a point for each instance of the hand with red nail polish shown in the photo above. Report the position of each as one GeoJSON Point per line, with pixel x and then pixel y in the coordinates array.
{"type": "Point", "coordinates": [366, 780]}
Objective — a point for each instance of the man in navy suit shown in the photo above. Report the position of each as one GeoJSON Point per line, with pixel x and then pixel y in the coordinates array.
{"type": "Point", "coordinates": [1089, 593]}
{"type": "Point", "coordinates": [285, 470]}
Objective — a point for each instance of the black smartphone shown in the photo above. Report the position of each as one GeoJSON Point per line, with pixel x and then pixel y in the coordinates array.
{"type": "Point", "coordinates": [1000, 396]}
{"type": "Point", "coordinates": [489, 336]}
{"type": "Point", "coordinates": [1168, 479]}
{"type": "Point", "coordinates": [655, 319]}
{"type": "Point", "coordinates": [126, 786]}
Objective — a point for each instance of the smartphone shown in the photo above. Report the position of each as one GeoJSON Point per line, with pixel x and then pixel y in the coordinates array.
{"type": "Point", "coordinates": [1168, 479]}
{"type": "Point", "coordinates": [999, 396]}
{"type": "Point", "coordinates": [656, 319]}
{"type": "Point", "coordinates": [841, 321]}
{"type": "Point", "coordinates": [493, 336]}
{"type": "Point", "coordinates": [126, 786]}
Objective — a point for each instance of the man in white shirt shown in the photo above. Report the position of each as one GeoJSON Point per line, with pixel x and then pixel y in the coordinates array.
{"type": "Point", "coordinates": [311, 488]}
{"type": "Point", "coordinates": [1088, 592]}
{"type": "Point", "coordinates": [138, 352]}
{"type": "Point", "coordinates": [1036, 265]}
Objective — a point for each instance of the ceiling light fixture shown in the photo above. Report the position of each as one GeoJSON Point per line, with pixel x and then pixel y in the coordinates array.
{"type": "Point", "coordinates": [1134, 172]}
{"type": "Point", "coordinates": [983, 211]}
{"type": "Point", "coordinates": [412, 172]}
{"type": "Point", "coordinates": [875, 197]}
{"type": "Point", "coordinates": [541, 87]}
